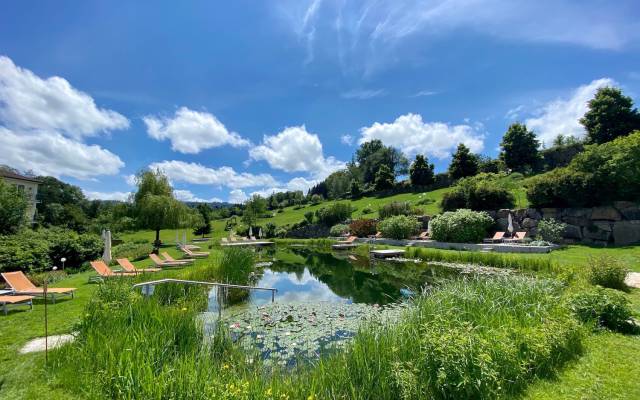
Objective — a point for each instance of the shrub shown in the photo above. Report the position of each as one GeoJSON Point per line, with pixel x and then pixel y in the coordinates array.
{"type": "Point", "coordinates": [482, 192]}
{"type": "Point", "coordinates": [339, 230]}
{"type": "Point", "coordinates": [367, 210]}
{"type": "Point", "coordinates": [308, 216]}
{"type": "Point", "coordinates": [607, 272]}
{"type": "Point", "coordinates": [461, 226]}
{"type": "Point", "coordinates": [363, 227]}
{"type": "Point", "coordinates": [270, 230]}
{"type": "Point", "coordinates": [394, 208]}
{"type": "Point", "coordinates": [611, 165]}
{"type": "Point", "coordinates": [399, 227]}
{"type": "Point", "coordinates": [33, 251]}
{"type": "Point", "coordinates": [550, 230]}
{"type": "Point", "coordinates": [132, 251]}
{"type": "Point", "coordinates": [605, 307]}
{"type": "Point", "coordinates": [334, 214]}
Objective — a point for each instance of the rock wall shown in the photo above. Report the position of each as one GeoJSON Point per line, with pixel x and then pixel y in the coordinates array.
{"type": "Point", "coordinates": [618, 224]}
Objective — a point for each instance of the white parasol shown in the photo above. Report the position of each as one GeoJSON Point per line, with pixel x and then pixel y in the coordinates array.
{"type": "Point", "coordinates": [106, 257]}
{"type": "Point", "coordinates": [510, 226]}
{"type": "Point", "coordinates": [250, 231]}
{"type": "Point", "coordinates": [260, 233]}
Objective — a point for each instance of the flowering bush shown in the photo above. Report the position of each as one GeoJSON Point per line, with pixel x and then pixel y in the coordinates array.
{"type": "Point", "coordinates": [363, 227]}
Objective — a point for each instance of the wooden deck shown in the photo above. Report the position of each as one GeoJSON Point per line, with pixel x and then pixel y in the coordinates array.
{"type": "Point", "coordinates": [257, 243]}
{"type": "Point", "coordinates": [388, 253]}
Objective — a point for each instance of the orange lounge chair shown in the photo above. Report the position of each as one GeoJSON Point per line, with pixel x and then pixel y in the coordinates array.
{"type": "Point", "coordinates": [200, 254]}
{"type": "Point", "coordinates": [185, 261]}
{"type": "Point", "coordinates": [349, 240]}
{"type": "Point", "coordinates": [422, 236]}
{"type": "Point", "coordinates": [497, 237]}
{"type": "Point", "coordinates": [104, 271]}
{"type": "Point", "coordinates": [128, 267]}
{"type": "Point", "coordinates": [160, 263]}
{"type": "Point", "coordinates": [21, 285]}
{"type": "Point", "coordinates": [378, 235]}
{"type": "Point", "coordinates": [15, 301]}
{"type": "Point", "coordinates": [520, 236]}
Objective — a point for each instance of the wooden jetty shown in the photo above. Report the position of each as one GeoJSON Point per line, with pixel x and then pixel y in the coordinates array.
{"type": "Point", "coordinates": [386, 253]}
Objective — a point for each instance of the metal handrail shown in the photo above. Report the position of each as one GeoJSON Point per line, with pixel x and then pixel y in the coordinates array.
{"type": "Point", "coordinates": [226, 285]}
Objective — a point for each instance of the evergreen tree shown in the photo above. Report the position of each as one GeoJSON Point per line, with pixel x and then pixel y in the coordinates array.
{"type": "Point", "coordinates": [421, 172]}
{"type": "Point", "coordinates": [463, 164]}
{"type": "Point", "coordinates": [610, 115]}
{"type": "Point", "coordinates": [520, 149]}
{"type": "Point", "coordinates": [384, 178]}
{"type": "Point", "coordinates": [355, 189]}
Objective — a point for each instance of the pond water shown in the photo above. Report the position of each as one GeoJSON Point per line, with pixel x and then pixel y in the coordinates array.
{"type": "Point", "coordinates": [322, 300]}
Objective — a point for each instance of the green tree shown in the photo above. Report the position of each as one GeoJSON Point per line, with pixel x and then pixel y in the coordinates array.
{"type": "Point", "coordinates": [463, 164]}
{"type": "Point", "coordinates": [520, 149]}
{"type": "Point", "coordinates": [610, 115]}
{"type": "Point", "coordinates": [384, 178]}
{"type": "Point", "coordinates": [61, 204]}
{"type": "Point", "coordinates": [204, 225]}
{"type": "Point", "coordinates": [155, 206]}
{"type": "Point", "coordinates": [13, 208]}
{"type": "Point", "coordinates": [254, 208]}
{"type": "Point", "coordinates": [373, 154]}
{"type": "Point", "coordinates": [421, 172]}
{"type": "Point", "coordinates": [355, 188]}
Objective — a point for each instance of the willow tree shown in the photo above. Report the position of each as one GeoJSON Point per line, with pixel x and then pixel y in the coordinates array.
{"type": "Point", "coordinates": [155, 206]}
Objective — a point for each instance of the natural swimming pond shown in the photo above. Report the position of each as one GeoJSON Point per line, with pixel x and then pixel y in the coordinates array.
{"type": "Point", "coordinates": [322, 300]}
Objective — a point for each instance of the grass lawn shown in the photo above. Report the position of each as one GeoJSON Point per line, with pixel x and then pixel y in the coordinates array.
{"type": "Point", "coordinates": [607, 369]}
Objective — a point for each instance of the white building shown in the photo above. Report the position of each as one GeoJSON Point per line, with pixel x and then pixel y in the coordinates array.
{"type": "Point", "coordinates": [25, 184]}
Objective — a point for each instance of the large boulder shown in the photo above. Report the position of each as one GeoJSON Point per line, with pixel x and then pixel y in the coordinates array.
{"type": "Point", "coordinates": [503, 213]}
{"type": "Point", "coordinates": [533, 214]}
{"type": "Point", "coordinates": [577, 216]}
{"type": "Point", "coordinates": [626, 232]}
{"type": "Point", "coordinates": [596, 234]}
{"type": "Point", "coordinates": [608, 213]}
{"type": "Point", "coordinates": [572, 232]}
{"type": "Point", "coordinates": [628, 209]}
{"type": "Point", "coordinates": [529, 223]}
{"type": "Point", "coordinates": [604, 225]}
{"type": "Point", "coordinates": [554, 213]}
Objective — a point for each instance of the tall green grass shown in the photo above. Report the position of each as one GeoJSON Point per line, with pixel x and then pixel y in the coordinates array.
{"type": "Point", "coordinates": [497, 260]}
{"type": "Point", "coordinates": [471, 338]}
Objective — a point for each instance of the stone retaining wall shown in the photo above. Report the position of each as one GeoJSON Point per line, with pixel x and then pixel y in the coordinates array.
{"type": "Point", "coordinates": [618, 224]}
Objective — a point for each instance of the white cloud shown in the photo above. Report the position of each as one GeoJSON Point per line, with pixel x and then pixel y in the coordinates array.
{"type": "Point", "coordinates": [192, 131]}
{"type": "Point", "coordinates": [50, 153]}
{"type": "Point", "coordinates": [423, 93]}
{"type": "Point", "coordinates": [298, 183]}
{"type": "Point", "coordinates": [361, 33]}
{"type": "Point", "coordinates": [561, 116]}
{"type": "Point", "coordinates": [363, 94]}
{"type": "Point", "coordinates": [237, 196]}
{"type": "Point", "coordinates": [119, 196]}
{"type": "Point", "coordinates": [28, 102]}
{"type": "Point", "coordinates": [514, 113]}
{"type": "Point", "coordinates": [346, 139]}
{"type": "Point", "coordinates": [186, 195]}
{"type": "Point", "coordinates": [295, 150]}
{"type": "Point", "coordinates": [180, 171]}
{"type": "Point", "coordinates": [413, 136]}
{"type": "Point", "coordinates": [130, 179]}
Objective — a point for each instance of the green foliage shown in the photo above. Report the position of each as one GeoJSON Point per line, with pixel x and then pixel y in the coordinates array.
{"type": "Point", "coordinates": [270, 230]}
{"type": "Point", "coordinates": [334, 213]}
{"type": "Point", "coordinates": [463, 163]}
{"type": "Point", "coordinates": [461, 226]}
{"type": "Point", "coordinates": [610, 115]}
{"type": "Point", "coordinates": [613, 166]}
{"type": "Point", "coordinates": [551, 230]}
{"type": "Point", "coordinates": [204, 226]}
{"type": "Point", "coordinates": [520, 149]}
{"type": "Point", "coordinates": [395, 208]}
{"type": "Point", "coordinates": [132, 251]}
{"type": "Point", "coordinates": [561, 153]}
{"type": "Point", "coordinates": [363, 227]}
{"type": "Point", "coordinates": [254, 208]}
{"type": "Point", "coordinates": [385, 178]}
{"type": "Point", "coordinates": [13, 208]}
{"type": "Point", "coordinates": [236, 266]}
{"type": "Point", "coordinates": [33, 251]}
{"type": "Point", "coordinates": [421, 172]}
{"type": "Point", "coordinates": [308, 216]}
{"type": "Point", "coordinates": [605, 307]}
{"type": "Point", "coordinates": [399, 227]}
{"type": "Point", "coordinates": [316, 199]}
{"type": "Point", "coordinates": [489, 165]}
{"type": "Point", "coordinates": [481, 192]}
{"type": "Point", "coordinates": [372, 155]}
{"type": "Point", "coordinates": [607, 272]}
{"type": "Point", "coordinates": [61, 204]}
{"type": "Point", "coordinates": [339, 230]}
{"type": "Point", "coordinates": [339, 183]}
{"type": "Point", "coordinates": [355, 189]}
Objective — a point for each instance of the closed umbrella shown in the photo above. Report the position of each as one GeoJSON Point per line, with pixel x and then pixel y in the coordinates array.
{"type": "Point", "coordinates": [510, 226]}
{"type": "Point", "coordinates": [260, 233]}
{"type": "Point", "coordinates": [250, 232]}
{"type": "Point", "coordinates": [106, 257]}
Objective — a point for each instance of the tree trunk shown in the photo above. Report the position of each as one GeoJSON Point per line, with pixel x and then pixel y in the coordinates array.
{"type": "Point", "coordinates": [156, 244]}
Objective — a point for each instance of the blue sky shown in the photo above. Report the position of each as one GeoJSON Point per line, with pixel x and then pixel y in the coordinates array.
{"type": "Point", "coordinates": [233, 98]}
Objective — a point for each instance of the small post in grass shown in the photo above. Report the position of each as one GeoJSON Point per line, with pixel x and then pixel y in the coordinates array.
{"type": "Point", "coordinates": [46, 321]}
